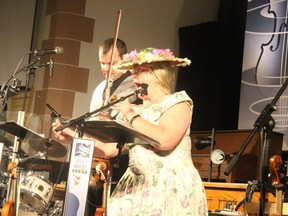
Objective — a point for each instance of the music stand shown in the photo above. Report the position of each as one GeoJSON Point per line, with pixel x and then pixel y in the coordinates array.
{"type": "Point", "coordinates": [17, 130]}
{"type": "Point", "coordinates": [112, 131]}
{"type": "Point", "coordinates": [33, 139]}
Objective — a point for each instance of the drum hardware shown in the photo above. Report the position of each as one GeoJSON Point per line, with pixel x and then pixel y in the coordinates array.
{"type": "Point", "coordinates": [55, 209]}
{"type": "Point", "coordinates": [5, 176]}
{"type": "Point", "coordinates": [38, 155]}
{"type": "Point", "coordinates": [25, 210]}
{"type": "Point", "coordinates": [3, 193]}
{"type": "Point", "coordinates": [11, 203]}
{"type": "Point", "coordinates": [36, 192]}
{"type": "Point", "coordinates": [34, 140]}
{"type": "Point", "coordinates": [33, 190]}
{"type": "Point", "coordinates": [6, 141]}
{"type": "Point", "coordinates": [51, 147]}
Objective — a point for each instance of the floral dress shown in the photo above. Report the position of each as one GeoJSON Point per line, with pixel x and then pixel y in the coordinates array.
{"type": "Point", "coordinates": [160, 183]}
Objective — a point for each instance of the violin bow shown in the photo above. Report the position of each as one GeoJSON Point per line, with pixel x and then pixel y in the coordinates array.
{"type": "Point", "coordinates": [108, 81]}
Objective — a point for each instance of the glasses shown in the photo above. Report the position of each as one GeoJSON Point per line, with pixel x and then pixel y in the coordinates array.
{"type": "Point", "coordinates": [140, 69]}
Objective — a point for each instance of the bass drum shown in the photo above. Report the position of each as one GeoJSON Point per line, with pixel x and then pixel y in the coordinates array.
{"type": "Point", "coordinates": [35, 191]}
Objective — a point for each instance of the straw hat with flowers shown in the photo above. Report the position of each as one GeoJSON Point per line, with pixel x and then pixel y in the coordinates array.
{"type": "Point", "coordinates": [150, 55]}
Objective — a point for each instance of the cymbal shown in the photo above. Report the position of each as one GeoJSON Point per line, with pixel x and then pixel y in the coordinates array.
{"type": "Point", "coordinates": [6, 141]}
{"type": "Point", "coordinates": [51, 147]}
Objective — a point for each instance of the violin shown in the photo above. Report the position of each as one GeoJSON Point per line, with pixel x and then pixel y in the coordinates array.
{"type": "Point", "coordinates": [275, 163]}
{"type": "Point", "coordinates": [103, 169]}
{"type": "Point", "coordinates": [8, 207]}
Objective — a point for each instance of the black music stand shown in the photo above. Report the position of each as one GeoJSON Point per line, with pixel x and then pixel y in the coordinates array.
{"type": "Point", "coordinates": [20, 132]}
{"type": "Point", "coordinates": [34, 140]}
{"type": "Point", "coordinates": [17, 130]}
{"type": "Point", "coordinates": [112, 131]}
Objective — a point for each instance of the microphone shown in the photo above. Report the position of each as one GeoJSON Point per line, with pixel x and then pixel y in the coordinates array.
{"type": "Point", "coordinates": [203, 142]}
{"type": "Point", "coordinates": [57, 50]}
{"type": "Point", "coordinates": [53, 111]}
{"type": "Point", "coordinates": [51, 64]}
{"type": "Point", "coordinates": [143, 90]}
{"type": "Point", "coordinates": [55, 114]}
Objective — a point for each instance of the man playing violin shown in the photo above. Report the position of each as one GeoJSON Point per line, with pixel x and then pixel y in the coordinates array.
{"type": "Point", "coordinates": [119, 83]}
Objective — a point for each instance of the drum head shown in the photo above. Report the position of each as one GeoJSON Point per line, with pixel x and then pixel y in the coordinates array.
{"type": "Point", "coordinates": [33, 201]}
{"type": "Point", "coordinates": [36, 192]}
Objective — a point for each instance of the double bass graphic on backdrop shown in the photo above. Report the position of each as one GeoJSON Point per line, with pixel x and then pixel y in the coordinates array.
{"type": "Point", "coordinates": [271, 68]}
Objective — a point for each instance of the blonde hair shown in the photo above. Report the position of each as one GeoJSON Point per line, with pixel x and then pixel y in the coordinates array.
{"type": "Point", "coordinates": [165, 74]}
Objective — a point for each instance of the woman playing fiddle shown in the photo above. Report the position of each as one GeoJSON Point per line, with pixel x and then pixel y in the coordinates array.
{"type": "Point", "coordinates": [161, 178]}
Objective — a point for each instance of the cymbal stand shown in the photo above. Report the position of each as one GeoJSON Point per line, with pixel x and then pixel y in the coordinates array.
{"type": "Point", "coordinates": [53, 115]}
{"type": "Point", "coordinates": [108, 191]}
{"type": "Point", "coordinates": [16, 148]}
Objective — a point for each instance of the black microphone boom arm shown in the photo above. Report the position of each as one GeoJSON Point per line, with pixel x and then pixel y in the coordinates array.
{"type": "Point", "coordinates": [79, 120]}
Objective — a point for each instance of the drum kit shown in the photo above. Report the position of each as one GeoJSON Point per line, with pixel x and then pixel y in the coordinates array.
{"type": "Point", "coordinates": [21, 189]}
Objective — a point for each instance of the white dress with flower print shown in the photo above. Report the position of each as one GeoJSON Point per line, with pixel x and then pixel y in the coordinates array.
{"type": "Point", "coordinates": [159, 183]}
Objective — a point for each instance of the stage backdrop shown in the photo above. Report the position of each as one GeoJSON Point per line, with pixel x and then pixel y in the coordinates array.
{"type": "Point", "coordinates": [16, 24]}
{"type": "Point", "coordinates": [213, 79]}
{"type": "Point", "coordinates": [264, 69]}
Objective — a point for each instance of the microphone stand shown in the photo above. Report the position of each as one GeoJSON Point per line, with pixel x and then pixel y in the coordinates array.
{"type": "Point", "coordinates": [79, 121]}
{"type": "Point", "coordinates": [266, 122]}
{"type": "Point", "coordinates": [211, 150]}
{"type": "Point", "coordinates": [5, 89]}
{"type": "Point", "coordinates": [28, 75]}
{"type": "Point", "coordinates": [31, 71]}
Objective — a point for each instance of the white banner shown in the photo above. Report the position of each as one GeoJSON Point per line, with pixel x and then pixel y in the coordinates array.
{"type": "Point", "coordinates": [78, 177]}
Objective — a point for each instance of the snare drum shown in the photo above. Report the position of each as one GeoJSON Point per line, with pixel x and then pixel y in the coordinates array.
{"type": "Point", "coordinates": [35, 191]}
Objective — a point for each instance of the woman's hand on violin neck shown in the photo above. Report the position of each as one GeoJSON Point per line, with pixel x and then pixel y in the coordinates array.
{"type": "Point", "coordinates": [125, 107]}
